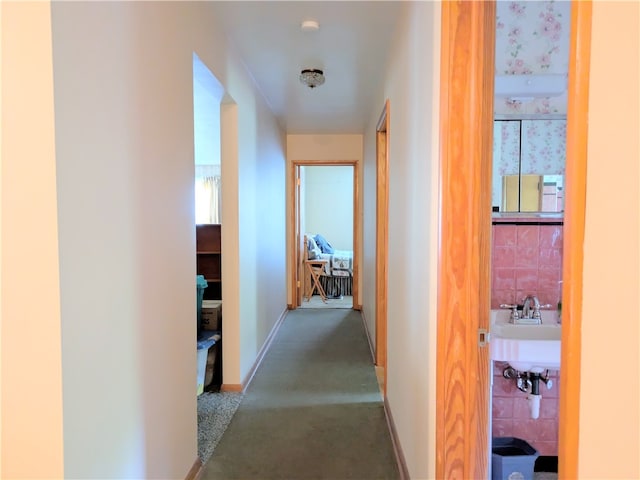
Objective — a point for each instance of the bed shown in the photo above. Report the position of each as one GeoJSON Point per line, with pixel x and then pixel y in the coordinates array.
{"type": "Point", "coordinates": [337, 276]}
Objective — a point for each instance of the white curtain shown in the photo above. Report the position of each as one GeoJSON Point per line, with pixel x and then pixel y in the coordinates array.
{"type": "Point", "coordinates": [208, 194]}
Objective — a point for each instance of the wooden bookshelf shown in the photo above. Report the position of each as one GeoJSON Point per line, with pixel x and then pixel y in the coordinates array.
{"type": "Point", "coordinates": [209, 259]}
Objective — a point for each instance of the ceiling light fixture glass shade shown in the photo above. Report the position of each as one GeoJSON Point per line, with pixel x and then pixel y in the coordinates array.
{"type": "Point", "coordinates": [309, 26]}
{"type": "Point", "coordinates": [312, 77]}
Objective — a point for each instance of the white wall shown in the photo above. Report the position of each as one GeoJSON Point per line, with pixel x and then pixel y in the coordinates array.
{"type": "Point", "coordinates": [115, 150]}
{"type": "Point", "coordinates": [321, 148]}
{"type": "Point", "coordinates": [124, 161]}
{"type": "Point", "coordinates": [261, 230]}
{"type": "Point", "coordinates": [412, 89]}
{"type": "Point", "coordinates": [328, 204]}
{"type": "Point", "coordinates": [609, 438]}
{"type": "Point", "coordinates": [207, 96]}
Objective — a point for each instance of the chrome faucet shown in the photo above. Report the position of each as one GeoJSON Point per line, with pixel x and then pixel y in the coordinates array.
{"type": "Point", "coordinates": [531, 308]}
{"type": "Point", "coordinates": [530, 313]}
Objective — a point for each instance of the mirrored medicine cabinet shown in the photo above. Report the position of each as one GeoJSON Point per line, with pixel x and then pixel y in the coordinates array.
{"type": "Point", "coordinates": [528, 165]}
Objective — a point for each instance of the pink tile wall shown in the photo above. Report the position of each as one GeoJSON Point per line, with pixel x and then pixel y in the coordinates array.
{"type": "Point", "coordinates": [526, 259]}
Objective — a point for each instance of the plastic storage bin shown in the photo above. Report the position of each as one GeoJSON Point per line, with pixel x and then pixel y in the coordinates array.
{"type": "Point", "coordinates": [205, 341]}
{"type": "Point", "coordinates": [202, 367]}
{"type": "Point", "coordinates": [512, 459]}
{"type": "Point", "coordinates": [201, 284]}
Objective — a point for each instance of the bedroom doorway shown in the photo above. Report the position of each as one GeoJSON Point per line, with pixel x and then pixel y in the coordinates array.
{"type": "Point", "coordinates": [324, 258]}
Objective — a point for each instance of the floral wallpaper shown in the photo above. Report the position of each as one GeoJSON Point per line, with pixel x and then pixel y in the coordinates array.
{"type": "Point", "coordinates": [506, 154]}
{"type": "Point", "coordinates": [539, 144]}
{"type": "Point", "coordinates": [506, 146]}
{"type": "Point", "coordinates": [544, 146]}
{"type": "Point", "coordinates": [532, 37]}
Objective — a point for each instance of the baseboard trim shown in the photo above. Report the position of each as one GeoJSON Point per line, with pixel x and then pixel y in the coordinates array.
{"type": "Point", "coordinates": [265, 348]}
{"type": "Point", "coordinates": [231, 387]}
{"type": "Point", "coordinates": [234, 387]}
{"type": "Point", "coordinates": [196, 470]}
{"type": "Point", "coordinates": [366, 330]}
{"type": "Point", "coordinates": [397, 449]}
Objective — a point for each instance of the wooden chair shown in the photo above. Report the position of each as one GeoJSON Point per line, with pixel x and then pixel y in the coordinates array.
{"type": "Point", "coordinates": [315, 268]}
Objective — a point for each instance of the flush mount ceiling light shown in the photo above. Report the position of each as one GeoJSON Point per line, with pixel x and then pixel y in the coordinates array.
{"type": "Point", "coordinates": [309, 26]}
{"type": "Point", "coordinates": [312, 77]}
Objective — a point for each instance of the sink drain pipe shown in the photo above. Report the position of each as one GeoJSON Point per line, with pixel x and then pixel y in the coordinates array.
{"type": "Point", "coordinates": [534, 397]}
{"type": "Point", "coordinates": [529, 383]}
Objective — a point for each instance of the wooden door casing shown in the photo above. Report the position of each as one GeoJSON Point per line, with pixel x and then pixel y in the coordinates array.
{"type": "Point", "coordinates": [296, 236]}
{"type": "Point", "coordinates": [468, 35]}
{"type": "Point", "coordinates": [382, 237]}
{"type": "Point", "coordinates": [466, 126]}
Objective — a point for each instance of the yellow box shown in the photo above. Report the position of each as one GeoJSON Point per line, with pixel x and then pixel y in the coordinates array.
{"type": "Point", "coordinates": [212, 315]}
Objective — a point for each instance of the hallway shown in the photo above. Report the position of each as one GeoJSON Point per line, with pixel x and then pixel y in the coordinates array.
{"type": "Point", "coordinates": [313, 409]}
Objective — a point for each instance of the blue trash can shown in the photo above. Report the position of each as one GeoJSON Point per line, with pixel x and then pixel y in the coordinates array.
{"type": "Point", "coordinates": [201, 284]}
{"type": "Point", "coordinates": [512, 458]}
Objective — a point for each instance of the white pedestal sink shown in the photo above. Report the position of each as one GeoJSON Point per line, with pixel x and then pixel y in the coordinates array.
{"type": "Point", "coordinates": [527, 348]}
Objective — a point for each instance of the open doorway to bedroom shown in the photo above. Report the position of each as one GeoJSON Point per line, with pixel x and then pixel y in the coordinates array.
{"type": "Point", "coordinates": [324, 216]}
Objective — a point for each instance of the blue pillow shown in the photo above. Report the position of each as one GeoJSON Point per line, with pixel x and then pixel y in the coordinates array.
{"type": "Point", "coordinates": [325, 247]}
{"type": "Point", "coordinates": [312, 249]}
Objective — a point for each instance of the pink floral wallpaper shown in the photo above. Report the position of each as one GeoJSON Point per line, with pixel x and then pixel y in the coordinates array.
{"type": "Point", "coordinates": [506, 146]}
{"type": "Point", "coordinates": [544, 146]}
{"type": "Point", "coordinates": [532, 37]}
{"type": "Point", "coordinates": [542, 149]}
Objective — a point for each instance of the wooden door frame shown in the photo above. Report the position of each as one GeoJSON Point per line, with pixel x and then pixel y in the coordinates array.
{"type": "Point", "coordinates": [382, 237]}
{"type": "Point", "coordinates": [295, 234]}
{"type": "Point", "coordinates": [301, 287]}
{"type": "Point", "coordinates": [466, 125]}
{"type": "Point", "coordinates": [462, 420]}
{"type": "Point", "coordinates": [573, 237]}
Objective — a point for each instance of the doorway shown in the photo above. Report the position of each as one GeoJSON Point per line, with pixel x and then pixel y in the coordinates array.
{"type": "Point", "coordinates": [382, 241]}
{"type": "Point", "coordinates": [463, 308]}
{"type": "Point", "coordinates": [325, 228]}
{"type": "Point", "coordinates": [529, 156]}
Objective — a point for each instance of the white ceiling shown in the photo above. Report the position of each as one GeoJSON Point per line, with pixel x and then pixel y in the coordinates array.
{"type": "Point", "coordinates": [351, 46]}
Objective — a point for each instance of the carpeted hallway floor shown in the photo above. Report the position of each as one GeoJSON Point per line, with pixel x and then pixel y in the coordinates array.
{"type": "Point", "coordinates": [313, 409]}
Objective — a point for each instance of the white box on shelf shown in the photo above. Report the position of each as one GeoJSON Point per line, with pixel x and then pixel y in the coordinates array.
{"type": "Point", "coordinates": [212, 315]}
